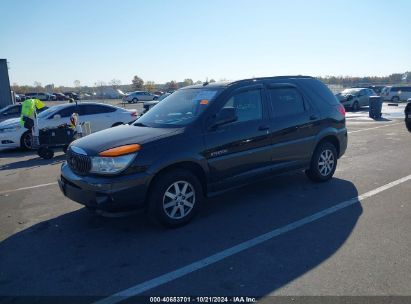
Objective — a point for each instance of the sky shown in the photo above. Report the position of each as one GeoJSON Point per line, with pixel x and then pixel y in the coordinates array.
{"type": "Point", "coordinates": [56, 41]}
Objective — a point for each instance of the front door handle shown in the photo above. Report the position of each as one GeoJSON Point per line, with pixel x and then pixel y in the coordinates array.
{"type": "Point", "coordinates": [263, 128]}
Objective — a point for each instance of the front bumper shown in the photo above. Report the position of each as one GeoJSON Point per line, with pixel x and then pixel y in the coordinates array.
{"type": "Point", "coordinates": [116, 193]}
{"type": "Point", "coordinates": [342, 136]}
{"type": "Point", "coordinates": [8, 142]}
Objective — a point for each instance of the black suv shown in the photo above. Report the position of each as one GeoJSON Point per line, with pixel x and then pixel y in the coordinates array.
{"type": "Point", "coordinates": [407, 112]}
{"type": "Point", "coordinates": [204, 139]}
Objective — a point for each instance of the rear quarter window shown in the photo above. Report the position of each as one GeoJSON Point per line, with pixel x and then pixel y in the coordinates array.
{"type": "Point", "coordinates": [317, 91]}
{"type": "Point", "coordinates": [90, 109]}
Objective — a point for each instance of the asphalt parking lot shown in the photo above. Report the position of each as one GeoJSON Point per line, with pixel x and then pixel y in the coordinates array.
{"type": "Point", "coordinates": [284, 236]}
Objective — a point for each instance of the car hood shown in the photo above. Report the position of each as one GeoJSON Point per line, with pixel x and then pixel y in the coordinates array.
{"type": "Point", "coordinates": [10, 122]}
{"type": "Point", "coordinates": [122, 135]}
{"type": "Point", "coordinates": [343, 97]}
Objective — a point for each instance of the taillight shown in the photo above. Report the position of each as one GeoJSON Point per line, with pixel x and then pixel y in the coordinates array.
{"type": "Point", "coordinates": [341, 109]}
{"type": "Point", "coordinates": [134, 114]}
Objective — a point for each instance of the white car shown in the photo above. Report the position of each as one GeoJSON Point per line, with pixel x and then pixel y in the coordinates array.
{"type": "Point", "coordinates": [138, 96]}
{"type": "Point", "coordinates": [396, 94]}
{"type": "Point", "coordinates": [100, 116]}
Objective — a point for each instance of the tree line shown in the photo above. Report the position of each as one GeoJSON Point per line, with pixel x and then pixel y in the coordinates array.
{"type": "Point", "coordinates": [137, 83]}
{"type": "Point", "coordinates": [348, 81]}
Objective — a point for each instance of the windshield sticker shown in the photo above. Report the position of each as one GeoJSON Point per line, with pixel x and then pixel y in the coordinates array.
{"type": "Point", "coordinates": [204, 102]}
{"type": "Point", "coordinates": [205, 95]}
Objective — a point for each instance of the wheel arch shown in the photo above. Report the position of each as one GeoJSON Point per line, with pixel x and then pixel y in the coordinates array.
{"type": "Point", "coordinates": [189, 165]}
{"type": "Point", "coordinates": [331, 138]}
{"type": "Point", "coordinates": [330, 135]}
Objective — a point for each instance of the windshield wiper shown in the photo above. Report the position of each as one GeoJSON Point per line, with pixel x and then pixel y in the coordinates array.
{"type": "Point", "coordinates": [139, 124]}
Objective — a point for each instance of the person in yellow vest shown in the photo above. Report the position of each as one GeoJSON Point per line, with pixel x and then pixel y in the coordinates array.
{"type": "Point", "coordinates": [28, 112]}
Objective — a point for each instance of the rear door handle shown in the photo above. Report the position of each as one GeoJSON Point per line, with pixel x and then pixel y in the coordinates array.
{"type": "Point", "coordinates": [263, 128]}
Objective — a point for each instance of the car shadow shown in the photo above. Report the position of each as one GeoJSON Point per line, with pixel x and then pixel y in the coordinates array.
{"type": "Point", "coordinates": [33, 163]}
{"type": "Point", "coordinates": [15, 153]}
{"type": "Point", "coordinates": [82, 254]}
{"type": "Point", "coordinates": [381, 119]}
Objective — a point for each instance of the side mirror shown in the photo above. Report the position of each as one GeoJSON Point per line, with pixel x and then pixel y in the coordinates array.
{"type": "Point", "coordinates": [57, 116]}
{"type": "Point", "coordinates": [225, 116]}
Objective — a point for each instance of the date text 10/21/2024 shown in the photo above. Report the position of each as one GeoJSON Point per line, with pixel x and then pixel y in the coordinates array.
{"type": "Point", "coordinates": [203, 299]}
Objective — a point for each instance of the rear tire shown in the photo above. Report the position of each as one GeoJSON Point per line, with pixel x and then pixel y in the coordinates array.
{"type": "Point", "coordinates": [175, 198]}
{"type": "Point", "coordinates": [45, 153]}
{"type": "Point", "coordinates": [323, 163]}
{"type": "Point", "coordinates": [135, 100]}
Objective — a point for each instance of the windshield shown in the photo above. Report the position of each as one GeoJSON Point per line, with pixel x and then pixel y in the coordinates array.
{"type": "Point", "coordinates": [49, 111]}
{"type": "Point", "coordinates": [350, 91]}
{"type": "Point", "coordinates": [4, 110]}
{"type": "Point", "coordinates": [179, 109]}
{"type": "Point", "coordinates": [163, 96]}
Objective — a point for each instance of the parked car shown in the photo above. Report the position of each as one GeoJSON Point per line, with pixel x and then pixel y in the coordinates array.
{"type": "Point", "coordinates": [73, 95]}
{"type": "Point", "coordinates": [13, 111]}
{"type": "Point", "coordinates": [42, 96]}
{"type": "Point", "coordinates": [377, 88]}
{"type": "Point", "coordinates": [100, 116]}
{"type": "Point", "coordinates": [149, 104]}
{"type": "Point", "coordinates": [396, 93]}
{"type": "Point", "coordinates": [204, 139]}
{"type": "Point", "coordinates": [61, 96]}
{"type": "Point", "coordinates": [138, 96]}
{"type": "Point", "coordinates": [20, 97]}
{"type": "Point", "coordinates": [408, 115]}
{"type": "Point", "coordinates": [355, 98]}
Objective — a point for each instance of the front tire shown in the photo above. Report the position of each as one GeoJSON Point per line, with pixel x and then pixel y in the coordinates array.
{"type": "Point", "coordinates": [26, 140]}
{"type": "Point", "coordinates": [176, 197]}
{"type": "Point", "coordinates": [355, 106]}
{"type": "Point", "coordinates": [135, 100]}
{"type": "Point", "coordinates": [323, 163]}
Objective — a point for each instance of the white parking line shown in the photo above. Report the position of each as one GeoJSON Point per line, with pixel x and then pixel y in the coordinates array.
{"type": "Point", "coordinates": [395, 124]}
{"type": "Point", "coordinates": [27, 188]}
{"type": "Point", "coordinates": [178, 273]}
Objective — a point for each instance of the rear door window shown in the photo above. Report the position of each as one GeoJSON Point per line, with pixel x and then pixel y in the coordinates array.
{"type": "Point", "coordinates": [286, 101]}
{"type": "Point", "coordinates": [66, 112]}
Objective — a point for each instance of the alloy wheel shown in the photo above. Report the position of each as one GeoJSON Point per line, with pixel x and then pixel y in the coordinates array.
{"type": "Point", "coordinates": [27, 141]}
{"type": "Point", "coordinates": [326, 162]}
{"type": "Point", "coordinates": [179, 200]}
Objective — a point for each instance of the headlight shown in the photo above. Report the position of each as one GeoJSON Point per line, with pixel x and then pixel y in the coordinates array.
{"type": "Point", "coordinates": [110, 165]}
{"type": "Point", "coordinates": [10, 129]}
{"type": "Point", "coordinates": [114, 160]}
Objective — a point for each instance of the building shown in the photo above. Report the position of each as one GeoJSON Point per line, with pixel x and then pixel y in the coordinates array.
{"type": "Point", "coordinates": [5, 92]}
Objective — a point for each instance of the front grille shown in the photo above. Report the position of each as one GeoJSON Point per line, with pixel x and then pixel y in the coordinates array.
{"type": "Point", "coordinates": [80, 164]}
